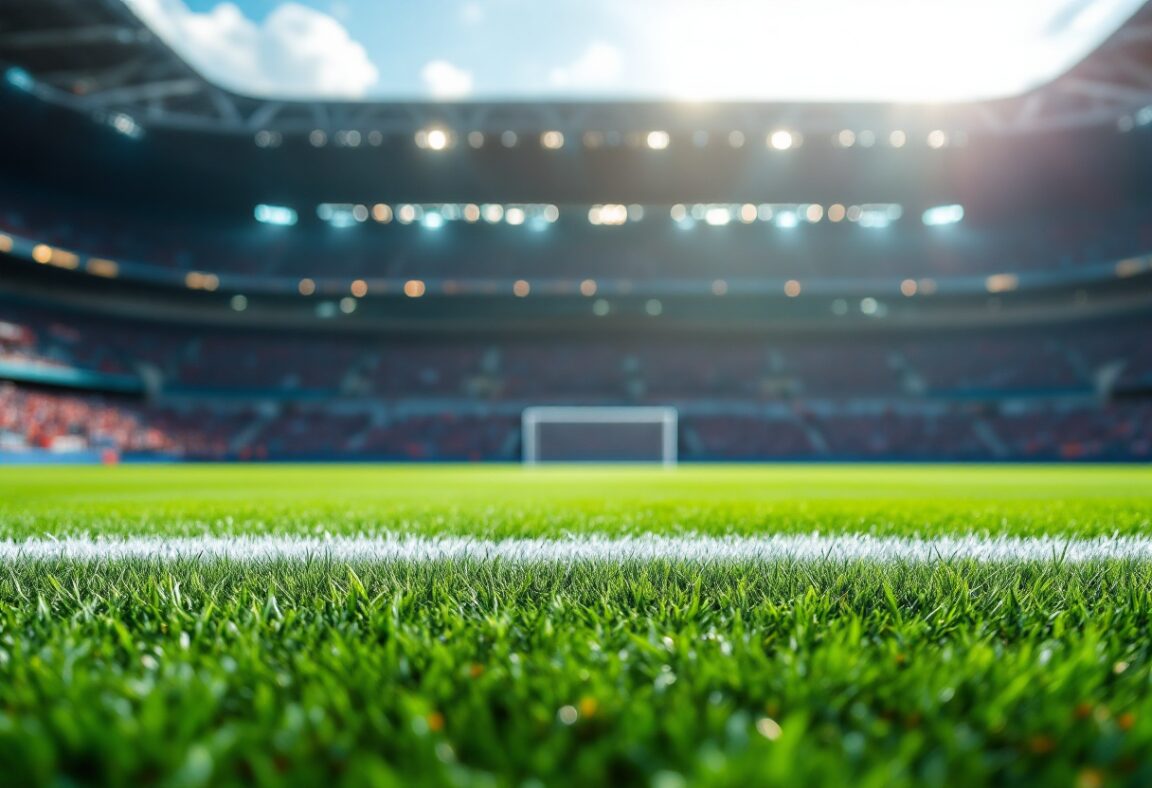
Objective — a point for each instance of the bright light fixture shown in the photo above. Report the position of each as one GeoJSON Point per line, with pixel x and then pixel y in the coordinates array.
{"type": "Point", "coordinates": [275, 214]}
{"type": "Point", "coordinates": [126, 125]}
{"type": "Point", "coordinates": [718, 216]}
{"type": "Point", "coordinates": [943, 214]}
{"type": "Point", "coordinates": [781, 140]}
{"type": "Point", "coordinates": [658, 140]}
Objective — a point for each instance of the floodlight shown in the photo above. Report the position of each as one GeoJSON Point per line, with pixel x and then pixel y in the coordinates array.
{"type": "Point", "coordinates": [781, 140]}
{"type": "Point", "coordinates": [718, 216]}
{"type": "Point", "coordinates": [942, 215]}
{"type": "Point", "coordinates": [658, 140]}
{"type": "Point", "coordinates": [126, 125]}
{"type": "Point", "coordinates": [278, 215]}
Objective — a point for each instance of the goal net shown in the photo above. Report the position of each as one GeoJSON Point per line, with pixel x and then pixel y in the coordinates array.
{"type": "Point", "coordinates": [599, 434]}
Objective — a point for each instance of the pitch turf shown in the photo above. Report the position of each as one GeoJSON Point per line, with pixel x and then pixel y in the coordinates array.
{"type": "Point", "coordinates": [197, 670]}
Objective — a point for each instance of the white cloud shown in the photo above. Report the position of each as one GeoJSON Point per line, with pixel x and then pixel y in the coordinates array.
{"type": "Point", "coordinates": [472, 13]}
{"type": "Point", "coordinates": [295, 52]}
{"type": "Point", "coordinates": [445, 81]}
{"type": "Point", "coordinates": [599, 65]}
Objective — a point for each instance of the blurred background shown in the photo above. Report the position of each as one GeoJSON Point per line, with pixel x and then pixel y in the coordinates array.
{"type": "Point", "coordinates": [372, 230]}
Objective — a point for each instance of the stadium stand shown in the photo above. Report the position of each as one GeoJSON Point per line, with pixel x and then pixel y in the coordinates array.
{"type": "Point", "coordinates": [32, 419]}
{"type": "Point", "coordinates": [1039, 393]}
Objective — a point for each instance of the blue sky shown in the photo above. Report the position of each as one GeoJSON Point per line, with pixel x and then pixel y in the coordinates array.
{"type": "Point", "coordinates": [902, 50]}
{"type": "Point", "coordinates": [485, 38]}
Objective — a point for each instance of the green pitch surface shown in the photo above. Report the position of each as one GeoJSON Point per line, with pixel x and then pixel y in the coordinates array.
{"type": "Point", "coordinates": [207, 671]}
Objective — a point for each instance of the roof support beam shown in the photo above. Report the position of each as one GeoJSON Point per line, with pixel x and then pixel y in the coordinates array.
{"type": "Point", "coordinates": [1121, 95]}
{"type": "Point", "coordinates": [149, 91]}
{"type": "Point", "coordinates": [73, 36]}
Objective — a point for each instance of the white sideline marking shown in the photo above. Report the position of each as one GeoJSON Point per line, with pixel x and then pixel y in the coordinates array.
{"type": "Point", "coordinates": [603, 549]}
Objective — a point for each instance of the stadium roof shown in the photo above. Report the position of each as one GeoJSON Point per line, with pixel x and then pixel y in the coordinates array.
{"type": "Point", "coordinates": [726, 50]}
{"type": "Point", "coordinates": [98, 57]}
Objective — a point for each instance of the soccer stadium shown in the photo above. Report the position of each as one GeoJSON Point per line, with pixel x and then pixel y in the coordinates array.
{"type": "Point", "coordinates": [506, 392]}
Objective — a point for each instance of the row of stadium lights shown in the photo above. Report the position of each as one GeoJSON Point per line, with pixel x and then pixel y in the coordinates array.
{"type": "Point", "coordinates": [653, 307]}
{"type": "Point", "coordinates": [995, 284]}
{"type": "Point", "coordinates": [780, 139]}
{"type": "Point", "coordinates": [437, 139]}
{"type": "Point", "coordinates": [521, 288]}
{"type": "Point", "coordinates": [601, 307]}
{"type": "Point", "coordinates": [69, 261]}
{"type": "Point", "coordinates": [434, 216]}
{"type": "Point", "coordinates": [442, 139]}
{"type": "Point", "coordinates": [785, 215]}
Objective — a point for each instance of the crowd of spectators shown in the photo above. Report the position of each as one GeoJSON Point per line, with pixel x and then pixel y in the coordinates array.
{"type": "Point", "coordinates": [30, 339]}
{"type": "Point", "coordinates": [53, 421]}
{"type": "Point", "coordinates": [525, 368]}
{"type": "Point", "coordinates": [1056, 431]}
{"type": "Point", "coordinates": [1033, 429]}
{"type": "Point", "coordinates": [18, 345]}
{"type": "Point", "coordinates": [1023, 393]}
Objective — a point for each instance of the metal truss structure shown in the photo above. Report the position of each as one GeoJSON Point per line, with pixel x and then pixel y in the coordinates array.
{"type": "Point", "coordinates": [96, 57]}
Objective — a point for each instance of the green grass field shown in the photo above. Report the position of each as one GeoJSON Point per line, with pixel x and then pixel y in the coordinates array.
{"type": "Point", "coordinates": [197, 671]}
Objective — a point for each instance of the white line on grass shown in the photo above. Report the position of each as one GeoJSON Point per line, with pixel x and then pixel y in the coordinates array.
{"type": "Point", "coordinates": [393, 547]}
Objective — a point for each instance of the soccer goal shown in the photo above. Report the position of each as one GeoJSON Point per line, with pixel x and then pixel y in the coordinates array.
{"type": "Point", "coordinates": [599, 434]}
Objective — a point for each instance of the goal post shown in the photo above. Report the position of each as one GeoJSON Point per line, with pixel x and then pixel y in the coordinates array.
{"type": "Point", "coordinates": [636, 434]}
